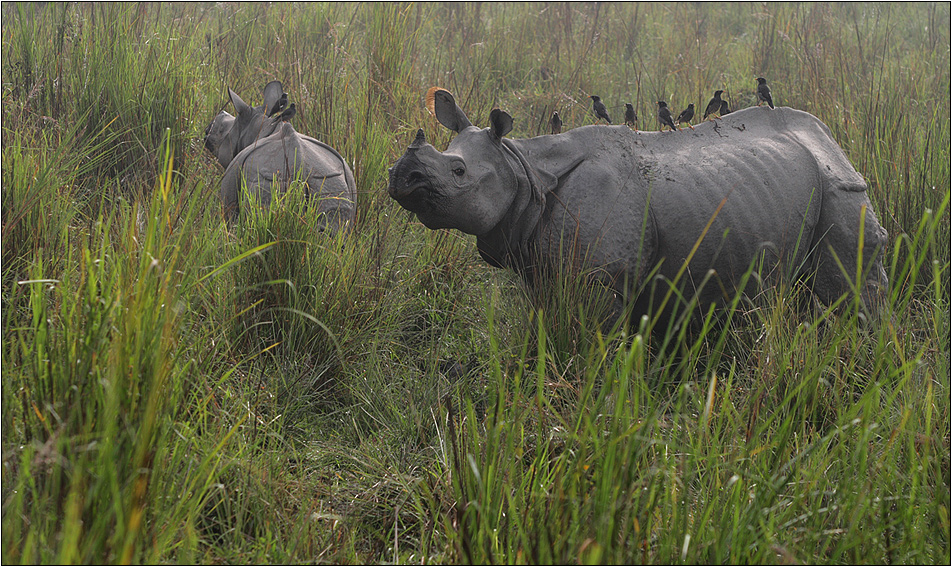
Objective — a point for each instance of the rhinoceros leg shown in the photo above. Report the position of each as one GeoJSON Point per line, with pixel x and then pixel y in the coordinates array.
{"type": "Point", "coordinates": [849, 245]}
{"type": "Point", "coordinates": [334, 205]}
{"type": "Point", "coordinates": [230, 188]}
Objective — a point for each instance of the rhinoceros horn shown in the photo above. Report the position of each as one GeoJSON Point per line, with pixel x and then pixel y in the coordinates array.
{"type": "Point", "coordinates": [419, 141]}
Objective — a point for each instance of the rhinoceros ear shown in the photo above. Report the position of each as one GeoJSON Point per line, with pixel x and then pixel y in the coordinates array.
{"type": "Point", "coordinates": [272, 96]}
{"type": "Point", "coordinates": [241, 107]}
{"type": "Point", "coordinates": [441, 102]}
{"type": "Point", "coordinates": [500, 123]}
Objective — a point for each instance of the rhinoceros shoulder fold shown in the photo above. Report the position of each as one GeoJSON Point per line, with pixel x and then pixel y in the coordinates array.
{"type": "Point", "coordinates": [549, 158]}
{"type": "Point", "coordinates": [541, 178]}
{"type": "Point", "coordinates": [834, 167]}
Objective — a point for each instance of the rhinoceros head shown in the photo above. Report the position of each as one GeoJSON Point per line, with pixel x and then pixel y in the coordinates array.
{"type": "Point", "coordinates": [470, 186]}
{"type": "Point", "coordinates": [227, 135]}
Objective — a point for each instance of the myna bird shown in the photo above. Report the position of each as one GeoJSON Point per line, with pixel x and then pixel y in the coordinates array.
{"type": "Point", "coordinates": [278, 106]}
{"type": "Point", "coordinates": [686, 116]}
{"type": "Point", "coordinates": [725, 110]}
{"type": "Point", "coordinates": [599, 108]}
{"type": "Point", "coordinates": [287, 114]}
{"type": "Point", "coordinates": [630, 116]}
{"type": "Point", "coordinates": [664, 115]}
{"type": "Point", "coordinates": [555, 123]}
{"type": "Point", "coordinates": [714, 107]}
{"type": "Point", "coordinates": [763, 92]}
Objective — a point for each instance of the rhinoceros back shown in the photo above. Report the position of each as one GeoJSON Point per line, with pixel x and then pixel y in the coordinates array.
{"type": "Point", "coordinates": [746, 194]}
{"type": "Point", "coordinates": [272, 163]}
{"type": "Point", "coordinates": [761, 185]}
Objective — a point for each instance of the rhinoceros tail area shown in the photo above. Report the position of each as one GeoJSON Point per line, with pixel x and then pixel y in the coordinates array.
{"type": "Point", "coordinates": [849, 243]}
{"type": "Point", "coordinates": [271, 163]}
{"type": "Point", "coordinates": [847, 233]}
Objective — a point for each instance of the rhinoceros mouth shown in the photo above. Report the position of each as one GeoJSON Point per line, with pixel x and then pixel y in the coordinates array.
{"type": "Point", "coordinates": [414, 191]}
{"type": "Point", "coordinates": [416, 198]}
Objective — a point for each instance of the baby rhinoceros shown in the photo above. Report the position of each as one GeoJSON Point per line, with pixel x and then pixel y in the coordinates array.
{"type": "Point", "coordinates": [259, 148]}
{"type": "Point", "coordinates": [654, 215]}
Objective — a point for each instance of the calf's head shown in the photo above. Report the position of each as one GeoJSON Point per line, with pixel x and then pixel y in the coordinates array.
{"type": "Point", "coordinates": [470, 186]}
{"type": "Point", "coordinates": [227, 135]}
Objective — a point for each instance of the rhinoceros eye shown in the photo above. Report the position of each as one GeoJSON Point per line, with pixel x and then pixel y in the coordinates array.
{"type": "Point", "coordinates": [459, 171]}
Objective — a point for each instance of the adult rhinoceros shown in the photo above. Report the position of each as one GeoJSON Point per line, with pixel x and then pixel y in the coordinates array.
{"type": "Point", "coordinates": [259, 147]}
{"type": "Point", "coordinates": [761, 184]}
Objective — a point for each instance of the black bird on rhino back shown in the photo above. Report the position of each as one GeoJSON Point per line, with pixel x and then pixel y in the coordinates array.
{"type": "Point", "coordinates": [664, 115]}
{"type": "Point", "coordinates": [714, 106]}
{"type": "Point", "coordinates": [260, 148]}
{"type": "Point", "coordinates": [630, 116]}
{"type": "Point", "coordinates": [686, 116]}
{"type": "Point", "coordinates": [555, 123]}
{"type": "Point", "coordinates": [288, 113]}
{"type": "Point", "coordinates": [763, 92]}
{"type": "Point", "coordinates": [280, 105]}
{"type": "Point", "coordinates": [630, 206]}
{"type": "Point", "coordinates": [599, 107]}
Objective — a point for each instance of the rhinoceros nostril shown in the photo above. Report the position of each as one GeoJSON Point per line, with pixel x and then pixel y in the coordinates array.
{"type": "Point", "coordinates": [413, 185]}
{"type": "Point", "coordinates": [414, 178]}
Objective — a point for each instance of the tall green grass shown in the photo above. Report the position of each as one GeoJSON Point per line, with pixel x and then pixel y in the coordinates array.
{"type": "Point", "coordinates": [178, 389]}
{"type": "Point", "coordinates": [95, 379]}
{"type": "Point", "coordinates": [636, 458]}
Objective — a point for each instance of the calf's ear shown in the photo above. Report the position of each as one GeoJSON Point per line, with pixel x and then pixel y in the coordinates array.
{"type": "Point", "coordinates": [441, 102]}
{"type": "Point", "coordinates": [500, 123]}
{"type": "Point", "coordinates": [241, 107]}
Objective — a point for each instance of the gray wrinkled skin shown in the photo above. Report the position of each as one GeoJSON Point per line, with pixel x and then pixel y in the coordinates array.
{"type": "Point", "coordinates": [267, 154]}
{"type": "Point", "coordinates": [779, 189]}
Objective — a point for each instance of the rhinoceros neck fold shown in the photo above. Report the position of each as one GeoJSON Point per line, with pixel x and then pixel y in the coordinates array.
{"type": "Point", "coordinates": [510, 243]}
{"type": "Point", "coordinates": [538, 164]}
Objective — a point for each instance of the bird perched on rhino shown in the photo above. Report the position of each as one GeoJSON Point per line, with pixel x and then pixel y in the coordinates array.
{"type": "Point", "coordinates": [287, 114]}
{"type": "Point", "coordinates": [686, 116]}
{"type": "Point", "coordinates": [630, 116]}
{"type": "Point", "coordinates": [725, 109]}
{"type": "Point", "coordinates": [555, 123]}
{"type": "Point", "coordinates": [763, 92]}
{"type": "Point", "coordinates": [537, 204]}
{"type": "Point", "coordinates": [664, 116]}
{"type": "Point", "coordinates": [599, 107]}
{"type": "Point", "coordinates": [278, 106]}
{"type": "Point", "coordinates": [714, 107]}
{"type": "Point", "coordinates": [262, 154]}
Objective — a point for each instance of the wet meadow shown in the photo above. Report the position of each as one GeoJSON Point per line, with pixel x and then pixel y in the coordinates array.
{"type": "Point", "coordinates": [178, 390]}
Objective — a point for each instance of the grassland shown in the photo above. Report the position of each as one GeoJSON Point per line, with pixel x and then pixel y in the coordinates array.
{"type": "Point", "coordinates": [175, 390]}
